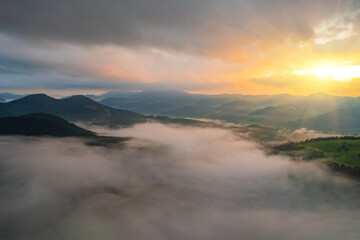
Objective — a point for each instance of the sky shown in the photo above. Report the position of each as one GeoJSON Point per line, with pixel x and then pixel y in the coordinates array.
{"type": "Point", "coordinates": [204, 46]}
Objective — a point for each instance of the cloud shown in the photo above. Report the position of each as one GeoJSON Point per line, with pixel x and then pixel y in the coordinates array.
{"type": "Point", "coordinates": [195, 26]}
{"type": "Point", "coordinates": [64, 66]}
{"type": "Point", "coordinates": [168, 183]}
{"type": "Point", "coordinates": [217, 46]}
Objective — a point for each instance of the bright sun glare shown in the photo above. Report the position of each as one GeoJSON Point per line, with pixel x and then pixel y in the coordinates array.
{"type": "Point", "coordinates": [343, 73]}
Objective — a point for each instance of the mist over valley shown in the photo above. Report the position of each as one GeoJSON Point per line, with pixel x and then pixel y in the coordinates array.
{"type": "Point", "coordinates": [168, 182]}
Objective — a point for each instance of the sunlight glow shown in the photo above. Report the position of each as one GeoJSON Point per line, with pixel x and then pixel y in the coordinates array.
{"type": "Point", "coordinates": [344, 73]}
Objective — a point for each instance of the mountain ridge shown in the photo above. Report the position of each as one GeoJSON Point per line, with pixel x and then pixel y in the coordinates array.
{"type": "Point", "coordinates": [81, 108]}
{"type": "Point", "coordinates": [75, 108]}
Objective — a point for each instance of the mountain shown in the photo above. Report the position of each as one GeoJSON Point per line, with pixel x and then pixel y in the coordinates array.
{"type": "Point", "coordinates": [317, 111]}
{"type": "Point", "coordinates": [309, 107]}
{"type": "Point", "coordinates": [75, 108]}
{"type": "Point", "coordinates": [81, 108]}
{"type": "Point", "coordinates": [267, 110]}
{"type": "Point", "coordinates": [182, 104]}
{"type": "Point", "coordinates": [229, 107]}
{"type": "Point", "coordinates": [41, 124]}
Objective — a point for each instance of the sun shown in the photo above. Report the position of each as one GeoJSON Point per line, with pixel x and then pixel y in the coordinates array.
{"type": "Point", "coordinates": [339, 73]}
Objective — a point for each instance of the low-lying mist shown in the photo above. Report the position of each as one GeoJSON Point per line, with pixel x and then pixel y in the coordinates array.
{"type": "Point", "coordinates": [169, 182]}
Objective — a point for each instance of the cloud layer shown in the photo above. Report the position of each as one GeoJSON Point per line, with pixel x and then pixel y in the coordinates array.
{"type": "Point", "coordinates": [168, 183]}
{"type": "Point", "coordinates": [186, 24]}
{"type": "Point", "coordinates": [191, 45]}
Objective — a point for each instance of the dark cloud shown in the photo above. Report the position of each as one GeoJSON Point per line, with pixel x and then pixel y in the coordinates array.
{"type": "Point", "coordinates": [123, 22]}
{"type": "Point", "coordinates": [187, 24]}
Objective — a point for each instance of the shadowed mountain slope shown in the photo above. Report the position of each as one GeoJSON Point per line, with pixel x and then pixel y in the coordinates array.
{"type": "Point", "coordinates": [41, 124]}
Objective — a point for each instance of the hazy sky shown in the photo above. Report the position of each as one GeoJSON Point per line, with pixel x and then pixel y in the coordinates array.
{"type": "Point", "coordinates": [210, 46]}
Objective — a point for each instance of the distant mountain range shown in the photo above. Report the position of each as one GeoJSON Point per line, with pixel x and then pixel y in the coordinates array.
{"type": "Point", "coordinates": [317, 111]}
{"type": "Point", "coordinates": [41, 124]}
{"type": "Point", "coordinates": [330, 114]}
{"type": "Point", "coordinates": [80, 108]}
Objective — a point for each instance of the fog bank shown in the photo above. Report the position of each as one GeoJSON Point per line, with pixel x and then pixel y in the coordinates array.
{"type": "Point", "coordinates": [169, 182]}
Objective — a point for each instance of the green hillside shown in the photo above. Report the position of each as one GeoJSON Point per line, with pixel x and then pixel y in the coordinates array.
{"type": "Point", "coordinates": [342, 151]}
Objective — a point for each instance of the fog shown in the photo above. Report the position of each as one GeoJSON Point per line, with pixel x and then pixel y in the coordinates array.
{"type": "Point", "coordinates": [169, 182]}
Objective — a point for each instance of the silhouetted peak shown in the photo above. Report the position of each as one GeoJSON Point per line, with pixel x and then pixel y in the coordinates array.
{"type": "Point", "coordinates": [79, 99]}
{"type": "Point", "coordinates": [35, 98]}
